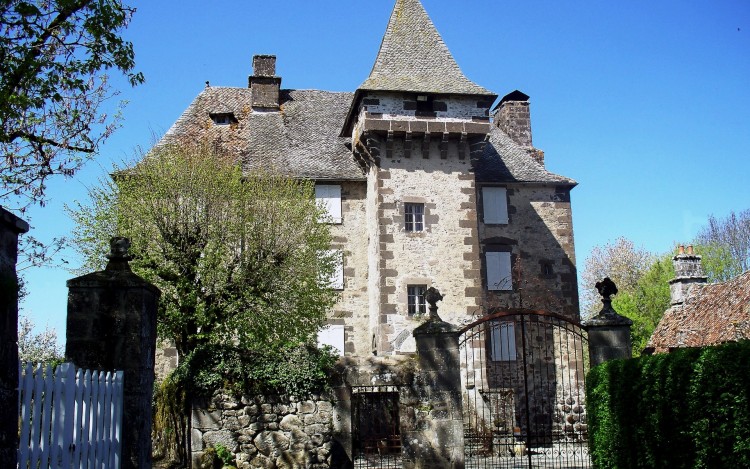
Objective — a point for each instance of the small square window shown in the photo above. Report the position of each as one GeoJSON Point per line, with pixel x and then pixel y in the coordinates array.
{"type": "Point", "coordinates": [414, 217]}
{"type": "Point", "coordinates": [417, 303]}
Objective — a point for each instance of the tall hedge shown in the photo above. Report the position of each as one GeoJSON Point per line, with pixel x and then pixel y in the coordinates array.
{"type": "Point", "coordinates": [686, 409]}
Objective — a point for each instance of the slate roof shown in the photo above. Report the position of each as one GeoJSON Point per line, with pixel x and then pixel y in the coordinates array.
{"type": "Point", "coordinates": [414, 58]}
{"type": "Point", "coordinates": [504, 160]}
{"type": "Point", "coordinates": [301, 140]}
{"type": "Point", "coordinates": [712, 314]}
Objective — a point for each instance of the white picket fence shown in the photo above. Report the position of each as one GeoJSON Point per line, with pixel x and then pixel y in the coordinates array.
{"type": "Point", "coordinates": [69, 419]}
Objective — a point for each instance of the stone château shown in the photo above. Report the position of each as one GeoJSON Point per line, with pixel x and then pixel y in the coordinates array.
{"type": "Point", "coordinates": [428, 178]}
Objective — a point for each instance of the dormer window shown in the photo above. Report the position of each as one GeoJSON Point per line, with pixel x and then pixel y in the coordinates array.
{"type": "Point", "coordinates": [223, 118]}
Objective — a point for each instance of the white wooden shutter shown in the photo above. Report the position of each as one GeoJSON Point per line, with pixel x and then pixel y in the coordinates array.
{"type": "Point", "coordinates": [337, 276]}
{"type": "Point", "coordinates": [329, 196]}
{"type": "Point", "coordinates": [495, 205]}
{"type": "Point", "coordinates": [503, 341]}
{"type": "Point", "coordinates": [332, 335]}
{"type": "Point", "coordinates": [498, 271]}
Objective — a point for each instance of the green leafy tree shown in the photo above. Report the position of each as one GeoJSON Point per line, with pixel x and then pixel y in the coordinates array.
{"type": "Point", "coordinates": [725, 246]}
{"type": "Point", "coordinates": [646, 302]}
{"type": "Point", "coordinates": [240, 259]}
{"type": "Point", "coordinates": [54, 55]}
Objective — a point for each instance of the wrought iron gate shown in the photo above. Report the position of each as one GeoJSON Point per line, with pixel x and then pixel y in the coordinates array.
{"type": "Point", "coordinates": [375, 419]}
{"type": "Point", "coordinates": [524, 391]}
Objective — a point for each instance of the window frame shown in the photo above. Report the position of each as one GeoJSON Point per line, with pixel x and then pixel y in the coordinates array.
{"type": "Point", "coordinates": [336, 281]}
{"type": "Point", "coordinates": [495, 205]}
{"type": "Point", "coordinates": [416, 305]}
{"type": "Point", "coordinates": [223, 118]}
{"type": "Point", "coordinates": [499, 270]}
{"type": "Point", "coordinates": [503, 341]}
{"type": "Point", "coordinates": [414, 217]}
{"type": "Point", "coordinates": [329, 195]}
{"type": "Point", "coordinates": [333, 335]}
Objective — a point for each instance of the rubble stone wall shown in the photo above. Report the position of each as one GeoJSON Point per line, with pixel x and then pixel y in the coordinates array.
{"type": "Point", "coordinates": [266, 431]}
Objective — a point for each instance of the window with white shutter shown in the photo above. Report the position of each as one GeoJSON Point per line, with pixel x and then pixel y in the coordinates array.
{"type": "Point", "coordinates": [499, 275]}
{"type": "Point", "coordinates": [503, 340]}
{"type": "Point", "coordinates": [329, 197]}
{"type": "Point", "coordinates": [337, 276]}
{"type": "Point", "coordinates": [494, 205]}
{"type": "Point", "coordinates": [332, 335]}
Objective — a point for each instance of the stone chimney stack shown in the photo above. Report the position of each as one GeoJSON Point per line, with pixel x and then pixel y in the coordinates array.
{"type": "Point", "coordinates": [264, 84]}
{"type": "Point", "coordinates": [688, 274]}
{"type": "Point", "coordinates": [513, 117]}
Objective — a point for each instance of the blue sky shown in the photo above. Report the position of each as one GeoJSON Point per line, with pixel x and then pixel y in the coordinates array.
{"type": "Point", "coordinates": [645, 103]}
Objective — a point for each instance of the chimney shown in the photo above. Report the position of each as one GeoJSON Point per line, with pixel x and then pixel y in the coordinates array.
{"type": "Point", "coordinates": [513, 117]}
{"type": "Point", "coordinates": [688, 274]}
{"type": "Point", "coordinates": [264, 84]}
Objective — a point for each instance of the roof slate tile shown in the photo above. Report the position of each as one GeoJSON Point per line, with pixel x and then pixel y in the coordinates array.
{"type": "Point", "coordinates": [414, 58]}
{"type": "Point", "coordinates": [300, 140]}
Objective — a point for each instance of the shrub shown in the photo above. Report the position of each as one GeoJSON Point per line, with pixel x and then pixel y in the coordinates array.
{"type": "Point", "coordinates": [298, 370]}
{"type": "Point", "coordinates": [689, 408]}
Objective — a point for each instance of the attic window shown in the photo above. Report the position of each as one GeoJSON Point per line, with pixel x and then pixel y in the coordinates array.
{"type": "Point", "coordinates": [424, 103]}
{"type": "Point", "coordinates": [223, 118]}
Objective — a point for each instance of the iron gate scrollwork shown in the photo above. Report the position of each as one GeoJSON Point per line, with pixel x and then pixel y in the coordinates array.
{"type": "Point", "coordinates": [523, 391]}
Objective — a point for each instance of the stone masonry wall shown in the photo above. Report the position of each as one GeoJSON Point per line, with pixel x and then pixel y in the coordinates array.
{"type": "Point", "coordinates": [539, 232]}
{"type": "Point", "coordinates": [398, 106]}
{"type": "Point", "coordinates": [266, 431]}
{"type": "Point", "coordinates": [444, 255]}
{"type": "Point", "coordinates": [350, 236]}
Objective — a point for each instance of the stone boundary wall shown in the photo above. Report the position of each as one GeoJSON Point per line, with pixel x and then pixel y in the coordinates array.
{"type": "Point", "coordinates": [266, 431]}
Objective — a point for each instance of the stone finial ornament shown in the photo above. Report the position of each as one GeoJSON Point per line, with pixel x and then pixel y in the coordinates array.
{"type": "Point", "coordinates": [432, 296]}
{"type": "Point", "coordinates": [118, 253]}
{"type": "Point", "coordinates": [607, 316]}
{"type": "Point", "coordinates": [606, 287]}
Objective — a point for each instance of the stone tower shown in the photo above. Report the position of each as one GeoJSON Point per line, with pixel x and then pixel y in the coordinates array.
{"type": "Point", "coordinates": [419, 128]}
{"type": "Point", "coordinates": [415, 123]}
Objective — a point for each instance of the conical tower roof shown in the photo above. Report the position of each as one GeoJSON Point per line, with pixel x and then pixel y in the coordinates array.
{"type": "Point", "coordinates": [414, 58]}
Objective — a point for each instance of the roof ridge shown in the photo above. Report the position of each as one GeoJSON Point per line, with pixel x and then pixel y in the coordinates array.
{"type": "Point", "coordinates": [413, 57]}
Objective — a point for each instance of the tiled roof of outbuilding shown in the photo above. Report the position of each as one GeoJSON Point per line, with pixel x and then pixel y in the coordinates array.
{"type": "Point", "coordinates": [414, 58]}
{"type": "Point", "coordinates": [713, 314]}
{"type": "Point", "coordinates": [300, 140]}
{"type": "Point", "coordinates": [504, 160]}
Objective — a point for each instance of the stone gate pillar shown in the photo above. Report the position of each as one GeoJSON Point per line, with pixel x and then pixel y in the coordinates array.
{"type": "Point", "coordinates": [10, 228]}
{"type": "Point", "coordinates": [437, 439]}
{"type": "Point", "coordinates": [112, 326]}
{"type": "Point", "coordinates": [609, 333]}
